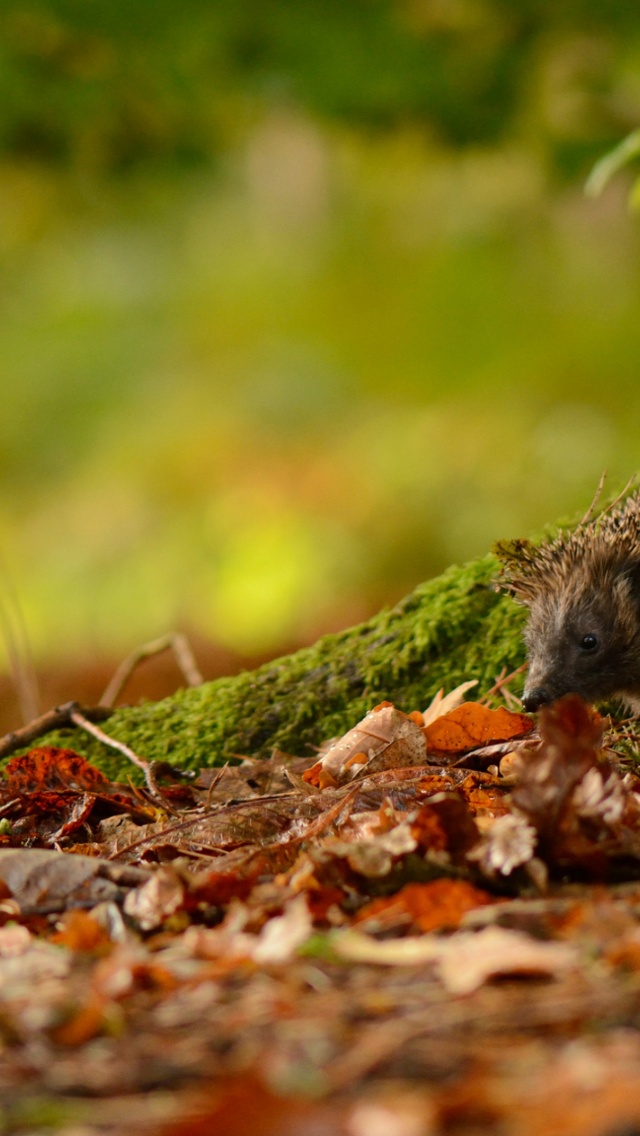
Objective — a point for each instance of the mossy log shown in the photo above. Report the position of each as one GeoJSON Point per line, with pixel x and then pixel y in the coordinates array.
{"type": "Point", "coordinates": [450, 629]}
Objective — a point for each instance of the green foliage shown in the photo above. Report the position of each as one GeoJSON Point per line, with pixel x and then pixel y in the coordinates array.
{"type": "Point", "coordinates": [610, 164]}
{"type": "Point", "coordinates": [111, 84]}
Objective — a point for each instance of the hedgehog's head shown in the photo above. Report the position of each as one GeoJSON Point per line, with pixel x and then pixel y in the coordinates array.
{"type": "Point", "coordinates": [583, 595]}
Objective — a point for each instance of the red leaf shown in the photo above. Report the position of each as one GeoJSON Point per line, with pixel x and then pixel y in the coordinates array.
{"type": "Point", "coordinates": [47, 767]}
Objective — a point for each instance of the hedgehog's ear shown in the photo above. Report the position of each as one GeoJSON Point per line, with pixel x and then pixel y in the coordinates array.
{"type": "Point", "coordinates": [519, 568]}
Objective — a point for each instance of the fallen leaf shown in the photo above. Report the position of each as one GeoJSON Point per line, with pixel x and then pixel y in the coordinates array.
{"type": "Point", "coordinates": [472, 725]}
{"type": "Point", "coordinates": [583, 812]}
{"type": "Point", "coordinates": [384, 739]}
{"type": "Point", "coordinates": [469, 959]}
{"type": "Point", "coordinates": [510, 842]}
{"type": "Point", "coordinates": [442, 703]}
{"type": "Point", "coordinates": [155, 900]}
{"type": "Point", "coordinates": [465, 961]}
{"type": "Point", "coordinates": [444, 824]}
{"type": "Point", "coordinates": [45, 881]}
{"type": "Point", "coordinates": [429, 907]}
{"type": "Point", "coordinates": [282, 935]}
{"type": "Point", "coordinates": [48, 767]}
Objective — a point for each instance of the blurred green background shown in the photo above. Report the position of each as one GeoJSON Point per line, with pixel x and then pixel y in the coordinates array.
{"type": "Point", "coordinates": [301, 302]}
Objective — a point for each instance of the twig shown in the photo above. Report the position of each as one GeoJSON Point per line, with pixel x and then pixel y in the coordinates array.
{"type": "Point", "coordinates": [503, 681]}
{"type": "Point", "coordinates": [79, 719]}
{"type": "Point", "coordinates": [147, 767]}
{"type": "Point", "coordinates": [201, 816]}
{"type": "Point", "coordinates": [52, 720]}
{"type": "Point", "coordinates": [595, 499]}
{"type": "Point", "coordinates": [215, 780]}
{"type": "Point", "coordinates": [177, 643]}
{"type": "Point", "coordinates": [621, 494]}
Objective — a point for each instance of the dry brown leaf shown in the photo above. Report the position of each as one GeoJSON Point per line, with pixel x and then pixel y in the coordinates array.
{"type": "Point", "coordinates": [384, 739]}
{"type": "Point", "coordinates": [466, 960]}
{"type": "Point", "coordinates": [154, 901]}
{"type": "Point", "coordinates": [43, 881]}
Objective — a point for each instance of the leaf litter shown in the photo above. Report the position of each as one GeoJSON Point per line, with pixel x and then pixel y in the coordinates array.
{"type": "Point", "coordinates": [399, 936]}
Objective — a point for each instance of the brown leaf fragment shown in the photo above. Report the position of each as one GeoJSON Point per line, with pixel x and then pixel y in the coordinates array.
{"type": "Point", "coordinates": [82, 1023]}
{"type": "Point", "coordinates": [28, 966]}
{"type": "Point", "coordinates": [50, 815]}
{"type": "Point", "coordinates": [444, 825]}
{"type": "Point", "coordinates": [243, 1105]}
{"type": "Point", "coordinates": [569, 747]}
{"type": "Point", "coordinates": [384, 739]}
{"type": "Point", "coordinates": [77, 815]}
{"type": "Point", "coordinates": [79, 931]}
{"type": "Point", "coordinates": [470, 959]}
{"type": "Point", "coordinates": [374, 856]}
{"type": "Point", "coordinates": [509, 842]}
{"type": "Point", "coordinates": [466, 960]}
{"type": "Point", "coordinates": [442, 703]}
{"type": "Point", "coordinates": [484, 794]}
{"type": "Point", "coordinates": [51, 794]}
{"type": "Point", "coordinates": [585, 815]}
{"type": "Point", "coordinates": [283, 934]}
{"type": "Point", "coordinates": [155, 900]}
{"type": "Point", "coordinates": [472, 725]}
{"type": "Point", "coordinates": [234, 875]}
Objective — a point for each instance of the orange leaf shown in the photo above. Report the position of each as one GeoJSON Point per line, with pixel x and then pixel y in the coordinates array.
{"type": "Point", "coordinates": [80, 932]}
{"type": "Point", "coordinates": [85, 1023]}
{"type": "Point", "coordinates": [472, 725]}
{"type": "Point", "coordinates": [430, 906]}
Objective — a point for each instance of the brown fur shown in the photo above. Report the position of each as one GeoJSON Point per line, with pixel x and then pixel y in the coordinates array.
{"type": "Point", "coordinates": [585, 584]}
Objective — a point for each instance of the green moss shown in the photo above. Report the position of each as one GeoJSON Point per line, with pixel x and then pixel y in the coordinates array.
{"type": "Point", "coordinates": [450, 629]}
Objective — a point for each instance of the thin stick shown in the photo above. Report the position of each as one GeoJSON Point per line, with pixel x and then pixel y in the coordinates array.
{"type": "Point", "coordinates": [215, 780]}
{"type": "Point", "coordinates": [52, 720]}
{"type": "Point", "coordinates": [502, 681]}
{"type": "Point", "coordinates": [621, 494]}
{"type": "Point", "coordinates": [147, 767]}
{"type": "Point", "coordinates": [79, 719]}
{"type": "Point", "coordinates": [233, 806]}
{"type": "Point", "coordinates": [184, 656]}
{"type": "Point", "coordinates": [595, 499]}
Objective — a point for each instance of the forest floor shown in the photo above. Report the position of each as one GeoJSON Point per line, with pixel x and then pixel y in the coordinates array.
{"type": "Point", "coordinates": [429, 928]}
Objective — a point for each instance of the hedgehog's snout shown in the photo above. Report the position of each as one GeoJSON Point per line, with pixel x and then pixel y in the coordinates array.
{"type": "Point", "coordinates": [536, 697]}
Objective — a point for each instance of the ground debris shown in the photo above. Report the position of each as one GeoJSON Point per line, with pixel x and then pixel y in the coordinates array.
{"type": "Point", "coordinates": [412, 943]}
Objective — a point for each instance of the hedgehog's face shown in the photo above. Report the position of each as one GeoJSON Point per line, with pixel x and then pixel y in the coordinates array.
{"type": "Point", "coordinates": [580, 641]}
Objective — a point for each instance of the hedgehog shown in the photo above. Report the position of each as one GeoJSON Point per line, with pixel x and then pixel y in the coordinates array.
{"type": "Point", "coordinates": [582, 590]}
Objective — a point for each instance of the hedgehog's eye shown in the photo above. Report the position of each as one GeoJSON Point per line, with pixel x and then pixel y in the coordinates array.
{"type": "Point", "coordinates": [589, 642]}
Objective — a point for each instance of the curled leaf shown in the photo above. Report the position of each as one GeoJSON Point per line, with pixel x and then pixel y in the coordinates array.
{"type": "Point", "coordinates": [384, 739]}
